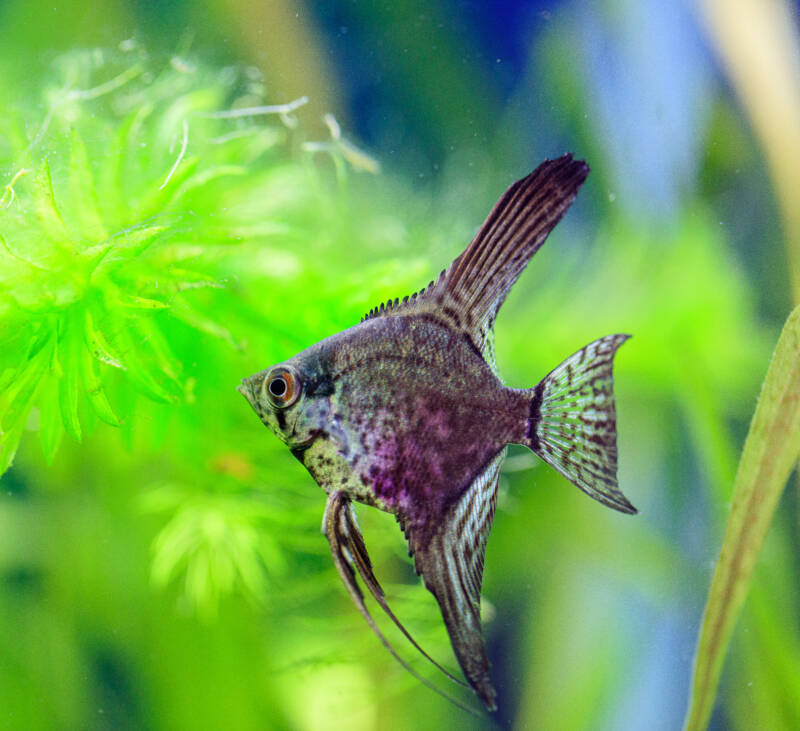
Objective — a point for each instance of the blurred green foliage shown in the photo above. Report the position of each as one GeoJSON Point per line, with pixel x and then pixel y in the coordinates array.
{"type": "Point", "coordinates": [769, 455]}
{"type": "Point", "coordinates": [160, 558]}
{"type": "Point", "coordinates": [165, 240]}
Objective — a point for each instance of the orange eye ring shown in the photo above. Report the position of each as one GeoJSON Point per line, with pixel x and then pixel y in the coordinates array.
{"type": "Point", "coordinates": [281, 387]}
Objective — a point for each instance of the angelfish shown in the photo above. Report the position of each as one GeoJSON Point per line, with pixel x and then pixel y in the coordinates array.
{"type": "Point", "coordinates": [405, 412]}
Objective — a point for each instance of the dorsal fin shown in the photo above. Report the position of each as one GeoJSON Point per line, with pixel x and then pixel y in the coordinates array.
{"type": "Point", "coordinates": [479, 280]}
{"type": "Point", "coordinates": [468, 295]}
{"type": "Point", "coordinates": [401, 306]}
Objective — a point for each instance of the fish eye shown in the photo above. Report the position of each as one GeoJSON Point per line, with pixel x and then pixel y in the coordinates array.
{"type": "Point", "coordinates": [282, 387]}
{"type": "Point", "coordinates": [278, 387]}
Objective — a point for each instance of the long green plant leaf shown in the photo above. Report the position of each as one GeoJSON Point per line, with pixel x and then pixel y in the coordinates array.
{"type": "Point", "coordinates": [770, 452]}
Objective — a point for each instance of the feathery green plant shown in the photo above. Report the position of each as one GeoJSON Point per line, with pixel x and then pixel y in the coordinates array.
{"type": "Point", "coordinates": [148, 207]}
{"type": "Point", "coordinates": [108, 231]}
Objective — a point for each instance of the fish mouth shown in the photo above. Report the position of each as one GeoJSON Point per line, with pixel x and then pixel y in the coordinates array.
{"type": "Point", "coordinates": [246, 389]}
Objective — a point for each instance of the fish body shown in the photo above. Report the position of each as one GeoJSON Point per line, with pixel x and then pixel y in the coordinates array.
{"type": "Point", "coordinates": [409, 410]}
{"type": "Point", "coordinates": [405, 412]}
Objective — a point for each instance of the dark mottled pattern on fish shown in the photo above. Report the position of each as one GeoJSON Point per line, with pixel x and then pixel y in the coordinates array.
{"type": "Point", "coordinates": [423, 409]}
{"type": "Point", "coordinates": [405, 412]}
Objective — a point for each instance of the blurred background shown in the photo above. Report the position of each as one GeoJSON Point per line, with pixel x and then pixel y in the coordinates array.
{"type": "Point", "coordinates": [169, 573]}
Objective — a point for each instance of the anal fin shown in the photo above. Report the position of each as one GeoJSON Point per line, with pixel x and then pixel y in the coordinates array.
{"type": "Point", "coordinates": [451, 564]}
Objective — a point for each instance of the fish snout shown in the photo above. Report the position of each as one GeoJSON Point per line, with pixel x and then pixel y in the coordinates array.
{"type": "Point", "coordinates": [249, 388]}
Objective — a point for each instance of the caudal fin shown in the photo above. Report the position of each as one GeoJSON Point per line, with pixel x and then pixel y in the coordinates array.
{"type": "Point", "coordinates": [573, 421]}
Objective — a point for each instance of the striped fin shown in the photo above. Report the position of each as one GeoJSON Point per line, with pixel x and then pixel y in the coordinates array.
{"type": "Point", "coordinates": [451, 564]}
{"type": "Point", "coordinates": [573, 421]}
{"type": "Point", "coordinates": [468, 295]}
{"type": "Point", "coordinates": [479, 280]}
{"type": "Point", "coordinates": [350, 555]}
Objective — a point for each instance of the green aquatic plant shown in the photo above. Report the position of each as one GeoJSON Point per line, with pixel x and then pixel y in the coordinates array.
{"type": "Point", "coordinates": [148, 207]}
{"type": "Point", "coordinates": [770, 453]}
{"type": "Point", "coordinates": [114, 217]}
{"type": "Point", "coordinates": [133, 194]}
